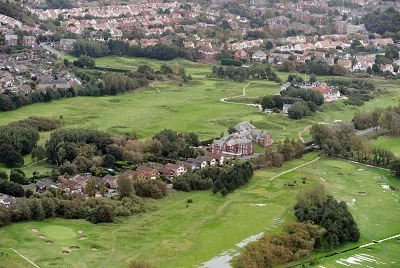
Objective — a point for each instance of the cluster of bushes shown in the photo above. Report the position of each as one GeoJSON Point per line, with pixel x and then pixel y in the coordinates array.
{"type": "Point", "coordinates": [39, 123]}
{"type": "Point", "coordinates": [16, 141]}
{"type": "Point", "coordinates": [177, 145]}
{"type": "Point", "coordinates": [297, 242]}
{"type": "Point", "coordinates": [231, 62]}
{"type": "Point", "coordinates": [150, 188]}
{"type": "Point", "coordinates": [257, 71]}
{"type": "Point", "coordinates": [112, 47]}
{"type": "Point", "coordinates": [229, 180]}
{"type": "Point", "coordinates": [192, 182]}
{"type": "Point", "coordinates": [357, 90]}
{"type": "Point", "coordinates": [290, 149]}
{"type": "Point", "coordinates": [314, 205]}
{"type": "Point", "coordinates": [11, 188]}
{"type": "Point", "coordinates": [13, 100]}
{"type": "Point", "coordinates": [70, 206]}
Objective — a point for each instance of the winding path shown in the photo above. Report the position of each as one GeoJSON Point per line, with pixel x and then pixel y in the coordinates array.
{"type": "Point", "coordinates": [243, 95]}
{"type": "Point", "coordinates": [300, 134]}
{"type": "Point", "coordinates": [290, 170]}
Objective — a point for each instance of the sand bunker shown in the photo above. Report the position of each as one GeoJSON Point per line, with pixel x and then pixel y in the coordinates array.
{"type": "Point", "coordinates": [80, 231]}
{"type": "Point", "coordinates": [94, 248]}
{"type": "Point", "coordinates": [65, 252]}
{"type": "Point", "coordinates": [42, 236]}
{"type": "Point", "coordinates": [74, 247]}
{"type": "Point", "coordinates": [83, 237]}
{"type": "Point", "coordinates": [363, 193]}
{"type": "Point", "coordinates": [49, 242]}
{"type": "Point", "coordinates": [35, 230]}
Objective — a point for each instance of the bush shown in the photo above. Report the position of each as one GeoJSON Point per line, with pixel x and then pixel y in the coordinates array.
{"type": "Point", "coordinates": [189, 200]}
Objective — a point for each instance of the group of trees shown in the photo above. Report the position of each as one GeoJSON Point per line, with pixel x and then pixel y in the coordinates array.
{"type": "Point", "coordinates": [340, 140]}
{"type": "Point", "coordinates": [220, 179]}
{"type": "Point", "coordinates": [288, 150]}
{"type": "Point", "coordinates": [304, 101]}
{"type": "Point", "coordinates": [314, 205]}
{"type": "Point", "coordinates": [175, 145]}
{"type": "Point", "coordinates": [114, 47]}
{"type": "Point", "coordinates": [150, 188]}
{"type": "Point", "coordinates": [15, 142]}
{"type": "Point", "coordinates": [318, 67]}
{"type": "Point", "coordinates": [357, 90]}
{"type": "Point", "coordinates": [256, 71]}
{"type": "Point", "coordinates": [383, 21]}
{"type": "Point", "coordinates": [53, 204]}
{"type": "Point", "coordinates": [323, 224]}
{"type": "Point", "coordinates": [297, 242]}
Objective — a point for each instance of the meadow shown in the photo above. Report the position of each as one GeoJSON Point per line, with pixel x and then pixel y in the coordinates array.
{"type": "Point", "coordinates": [175, 235]}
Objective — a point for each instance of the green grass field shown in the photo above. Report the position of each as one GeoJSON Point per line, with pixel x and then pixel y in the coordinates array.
{"type": "Point", "coordinates": [390, 143]}
{"type": "Point", "coordinates": [180, 236]}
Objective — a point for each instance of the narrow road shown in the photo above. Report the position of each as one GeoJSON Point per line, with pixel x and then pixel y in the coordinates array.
{"type": "Point", "coordinates": [290, 170]}
{"type": "Point", "coordinates": [300, 134]}
{"type": "Point", "coordinates": [52, 50]}
{"type": "Point", "coordinates": [25, 258]}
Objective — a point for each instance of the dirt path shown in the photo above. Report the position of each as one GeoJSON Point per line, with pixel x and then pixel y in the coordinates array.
{"type": "Point", "coordinates": [25, 258]}
{"type": "Point", "coordinates": [37, 162]}
{"type": "Point", "coordinates": [299, 135]}
{"type": "Point", "coordinates": [290, 170]}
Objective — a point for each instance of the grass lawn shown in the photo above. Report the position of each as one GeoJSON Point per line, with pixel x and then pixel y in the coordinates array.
{"type": "Point", "coordinates": [180, 236]}
{"type": "Point", "coordinates": [390, 143]}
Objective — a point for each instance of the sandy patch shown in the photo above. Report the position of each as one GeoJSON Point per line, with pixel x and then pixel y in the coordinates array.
{"type": "Point", "coordinates": [80, 231]}
{"type": "Point", "coordinates": [258, 205]}
{"type": "Point", "coordinates": [42, 236]}
{"type": "Point", "coordinates": [35, 230]}
{"type": "Point", "coordinates": [322, 179]}
{"type": "Point", "coordinates": [65, 252]}
{"type": "Point", "coordinates": [49, 242]}
{"type": "Point", "coordinates": [363, 193]}
{"type": "Point", "coordinates": [74, 247]}
{"type": "Point", "coordinates": [94, 248]}
{"type": "Point", "coordinates": [83, 237]}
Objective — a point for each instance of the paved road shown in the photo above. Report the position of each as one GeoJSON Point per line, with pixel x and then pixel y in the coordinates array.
{"type": "Point", "coordinates": [365, 131]}
{"type": "Point", "coordinates": [52, 50]}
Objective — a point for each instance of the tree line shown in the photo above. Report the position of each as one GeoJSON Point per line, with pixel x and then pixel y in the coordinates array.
{"type": "Point", "coordinates": [55, 204]}
{"type": "Point", "coordinates": [119, 48]}
{"type": "Point", "coordinates": [340, 140]}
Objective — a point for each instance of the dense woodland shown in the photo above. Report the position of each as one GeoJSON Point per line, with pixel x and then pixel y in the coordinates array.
{"type": "Point", "coordinates": [240, 74]}
{"type": "Point", "coordinates": [383, 22]}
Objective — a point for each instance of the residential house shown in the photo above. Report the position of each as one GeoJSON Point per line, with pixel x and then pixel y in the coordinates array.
{"type": "Point", "coordinates": [259, 56]}
{"type": "Point", "coordinates": [178, 170]}
{"type": "Point", "coordinates": [247, 131]}
{"type": "Point", "coordinates": [29, 41]}
{"type": "Point", "coordinates": [199, 163]}
{"type": "Point", "coordinates": [219, 158]}
{"type": "Point", "coordinates": [7, 200]}
{"type": "Point", "coordinates": [67, 44]}
{"type": "Point", "coordinates": [241, 54]}
{"type": "Point", "coordinates": [6, 80]}
{"type": "Point", "coordinates": [189, 166]}
{"type": "Point", "coordinates": [43, 186]}
{"type": "Point", "coordinates": [285, 108]}
{"type": "Point", "coordinates": [210, 160]}
{"type": "Point", "coordinates": [148, 172]}
{"type": "Point", "coordinates": [345, 63]}
{"type": "Point", "coordinates": [110, 181]}
{"type": "Point", "coordinates": [327, 91]}
{"type": "Point", "coordinates": [11, 40]}
{"type": "Point", "coordinates": [232, 145]}
{"type": "Point", "coordinates": [71, 186]}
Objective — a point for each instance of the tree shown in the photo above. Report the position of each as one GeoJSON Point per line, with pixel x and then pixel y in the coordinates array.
{"type": "Point", "coordinates": [5, 216]}
{"type": "Point", "coordinates": [18, 176]}
{"type": "Point", "coordinates": [313, 78]}
{"type": "Point", "coordinates": [90, 188]}
{"type": "Point", "coordinates": [288, 66]}
{"type": "Point", "coordinates": [269, 45]}
{"type": "Point", "coordinates": [3, 175]}
{"type": "Point", "coordinates": [395, 167]}
{"type": "Point", "coordinates": [298, 110]}
{"type": "Point", "coordinates": [37, 211]}
{"type": "Point", "coordinates": [338, 70]}
{"type": "Point", "coordinates": [109, 160]}
{"type": "Point", "coordinates": [102, 188]}
{"type": "Point", "coordinates": [125, 186]}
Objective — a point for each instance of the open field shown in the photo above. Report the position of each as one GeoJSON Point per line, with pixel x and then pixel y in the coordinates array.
{"type": "Point", "coordinates": [390, 143]}
{"type": "Point", "coordinates": [180, 236]}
